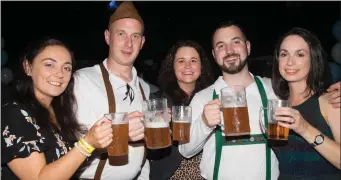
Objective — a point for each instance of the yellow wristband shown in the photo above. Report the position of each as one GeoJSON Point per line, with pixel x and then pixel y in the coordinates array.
{"type": "Point", "coordinates": [81, 151]}
{"type": "Point", "coordinates": [87, 147]}
{"type": "Point", "coordinates": [82, 147]}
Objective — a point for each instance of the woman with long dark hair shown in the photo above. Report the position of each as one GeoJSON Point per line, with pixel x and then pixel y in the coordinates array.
{"type": "Point", "coordinates": [185, 71]}
{"type": "Point", "coordinates": [39, 127]}
{"type": "Point", "coordinates": [301, 74]}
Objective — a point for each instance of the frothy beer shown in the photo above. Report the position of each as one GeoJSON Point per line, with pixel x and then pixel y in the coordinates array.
{"type": "Point", "coordinates": [157, 135]}
{"type": "Point", "coordinates": [277, 132]}
{"type": "Point", "coordinates": [236, 121]}
{"type": "Point", "coordinates": [119, 144]}
{"type": "Point", "coordinates": [181, 131]}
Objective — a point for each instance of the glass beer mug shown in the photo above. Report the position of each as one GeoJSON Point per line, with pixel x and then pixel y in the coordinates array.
{"type": "Point", "coordinates": [235, 111]}
{"type": "Point", "coordinates": [182, 118]}
{"type": "Point", "coordinates": [273, 131]}
{"type": "Point", "coordinates": [120, 131]}
{"type": "Point", "coordinates": [118, 149]}
{"type": "Point", "coordinates": [156, 123]}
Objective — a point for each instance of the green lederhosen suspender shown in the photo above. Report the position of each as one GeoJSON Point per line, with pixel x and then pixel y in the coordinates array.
{"type": "Point", "coordinates": [254, 138]}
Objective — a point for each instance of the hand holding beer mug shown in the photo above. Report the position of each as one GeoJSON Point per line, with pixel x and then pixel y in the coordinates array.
{"type": "Point", "coordinates": [156, 122]}
{"type": "Point", "coordinates": [235, 111]}
{"type": "Point", "coordinates": [120, 126]}
{"type": "Point", "coordinates": [211, 114]}
{"type": "Point", "coordinates": [99, 135]}
{"type": "Point", "coordinates": [182, 118]}
{"type": "Point", "coordinates": [291, 118]}
{"type": "Point", "coordinates": [274, 131]}
{"type": "Point", "coordinates": [136, 128]}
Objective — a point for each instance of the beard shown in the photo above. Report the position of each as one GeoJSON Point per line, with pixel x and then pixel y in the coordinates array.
{"type": "Point", "coordinates": [233, 68]}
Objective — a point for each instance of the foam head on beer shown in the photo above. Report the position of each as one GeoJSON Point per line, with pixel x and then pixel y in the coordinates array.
{"type": "Point", "coordinates": [158, 124]}
{"type": "Point", "coordinates": [155, 112]}
{"type": "Point", "coordinates": [117, 118]}
{"type": "Point", "coordinates": [181, 113]}
{"type": "Point", "coordinates": [233, 101]}
{"type": "Point", "coordinates": [156, 119]}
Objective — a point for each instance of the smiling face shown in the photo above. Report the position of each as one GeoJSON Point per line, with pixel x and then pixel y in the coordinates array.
{"type": "Point", "coordinates": [294, 59]}
{"type": "Point", "coordinates": [50, 71]}
{"type": "Point", "coordinates": [187, 65]}
{"type": "Point", "coordinates": [125, 40]}
{"type": "Point", "coordinates": [230, 49]}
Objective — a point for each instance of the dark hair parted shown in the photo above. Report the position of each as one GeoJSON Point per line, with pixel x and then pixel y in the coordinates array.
{"type": "Point", "coordinates": [64, 105]}
{"type": "Point", "coordinates": [168, 81]}
{"type": "Point", "coordinates": [319, 77]}
{"type": "Point", "coordinates": [228, 24]}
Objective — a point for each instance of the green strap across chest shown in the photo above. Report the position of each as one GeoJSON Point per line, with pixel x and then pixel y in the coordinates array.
{"type": "Point", "coordinates": [260, 138]}
{"type": "Point", "coordinates": [265, 104]}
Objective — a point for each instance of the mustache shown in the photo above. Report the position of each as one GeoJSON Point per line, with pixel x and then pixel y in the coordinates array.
{"type": "Point", "coordinates": [230, 55]}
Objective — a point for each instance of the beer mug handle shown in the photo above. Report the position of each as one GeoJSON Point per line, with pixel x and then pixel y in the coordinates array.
{"type": "Point", "coordinates": [221, 125]}
{"type": "Point", "coordinates": [261, 119]}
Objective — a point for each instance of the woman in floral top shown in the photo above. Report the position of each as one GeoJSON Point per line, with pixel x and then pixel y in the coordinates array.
{"type": "Point", "coordinates": [39, 127]}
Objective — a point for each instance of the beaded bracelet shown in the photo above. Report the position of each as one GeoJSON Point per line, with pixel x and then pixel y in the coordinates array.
{"type": "Point", "coordinates": [87, 147]}
{"type": "Point", "coordinates": [80, 145]}
{"type": "Point", "coordinates": [81, 151]}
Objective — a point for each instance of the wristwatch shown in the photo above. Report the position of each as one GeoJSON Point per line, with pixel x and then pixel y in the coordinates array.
{"type": "Point", "coordinates": [319, 139]}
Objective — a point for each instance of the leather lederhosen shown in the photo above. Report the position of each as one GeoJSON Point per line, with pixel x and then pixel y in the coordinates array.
{"type": "Point", "coordinates": [112, 109]}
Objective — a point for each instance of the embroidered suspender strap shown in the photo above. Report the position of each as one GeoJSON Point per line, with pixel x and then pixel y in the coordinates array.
{"type": "Point", "coordinates": [218, 146]}
{"type": "Point", "coordinates": [253, 139]}
{"type": "Point", "coordinates": [265, 104]}
{"type": "Point", "coordinates": [112, 109]}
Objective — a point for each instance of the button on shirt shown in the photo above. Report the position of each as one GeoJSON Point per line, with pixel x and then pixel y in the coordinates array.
{"type": "Point", "coordinates": [92, 102]}
{"type": "Point", "coordinates": [240, 162]}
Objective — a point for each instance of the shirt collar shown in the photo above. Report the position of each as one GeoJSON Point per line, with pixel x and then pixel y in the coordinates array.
{"type": "Point", "coordinates": [220, 84]}
{"type": "Point", "coordinates": [117, 82]}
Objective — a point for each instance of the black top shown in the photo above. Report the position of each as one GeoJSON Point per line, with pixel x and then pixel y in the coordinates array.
{"type": "Point", "coordinates": [21, 136]}
{"type": "Point", "coordinates": [164, 162]}
{"type": "Point", "coordinates": [297, 159]}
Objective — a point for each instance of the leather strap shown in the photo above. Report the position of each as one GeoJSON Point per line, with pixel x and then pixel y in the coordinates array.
{"type": "Point", "coordinates": [142, 92]}
{"type": "Point", "coordinates": [112, 109]}
{"type": "Point", "coordinates": [108, 88]}
{"type": "Point", "coordinates": [145, 148]}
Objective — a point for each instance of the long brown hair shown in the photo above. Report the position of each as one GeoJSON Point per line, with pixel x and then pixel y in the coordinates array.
{"type": "Point", "coordinates": [168, 81]}
{"type": "Point", "coordinates": [319, 77]}
{"type": "Point", "coordinates": [63, 105]}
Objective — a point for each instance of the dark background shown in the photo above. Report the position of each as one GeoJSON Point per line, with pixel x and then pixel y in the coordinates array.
{"type": "Point", "coordinates": [82, 25]}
